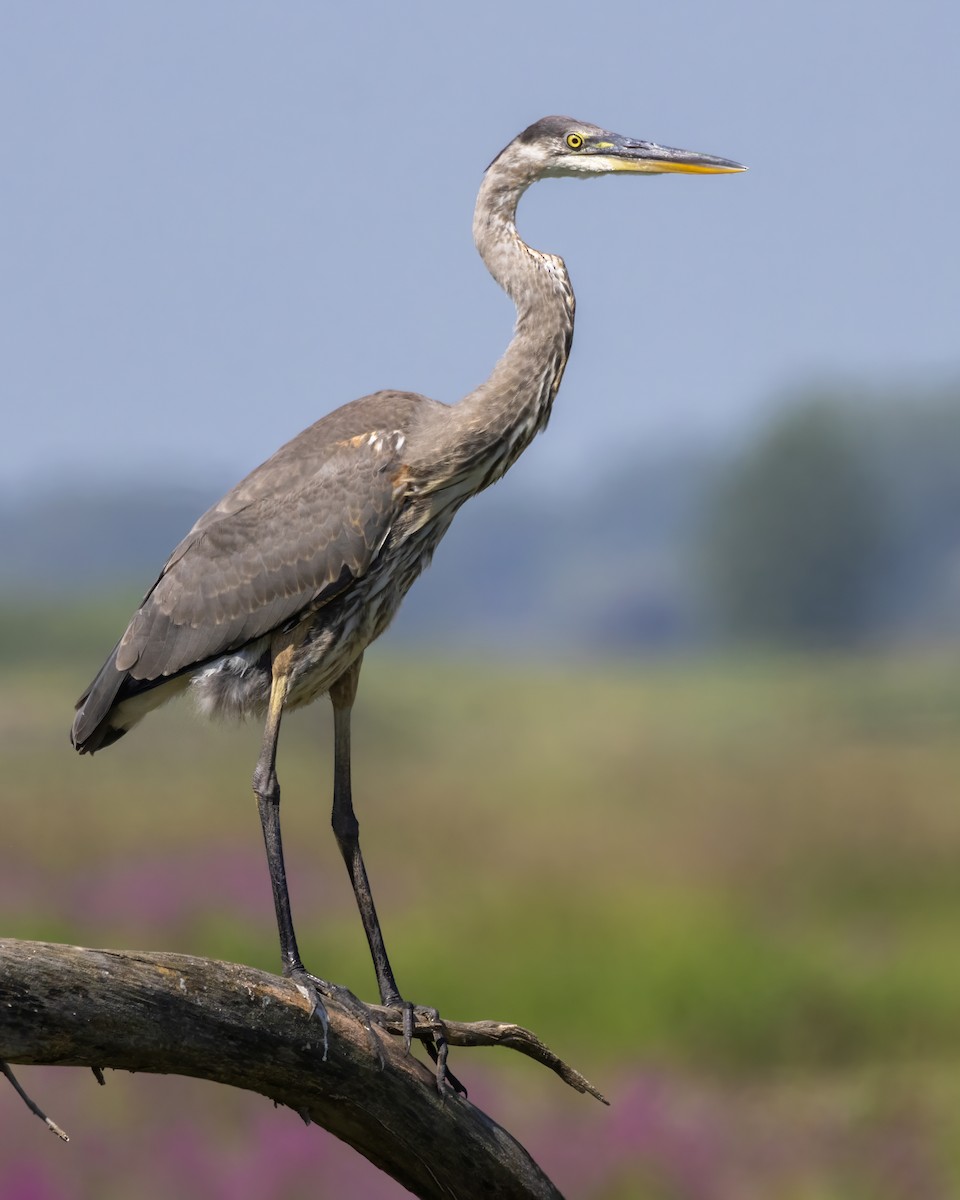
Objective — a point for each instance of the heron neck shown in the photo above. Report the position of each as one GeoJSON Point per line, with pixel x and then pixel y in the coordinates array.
{"type": "Point", "coordinates": [498, 419]}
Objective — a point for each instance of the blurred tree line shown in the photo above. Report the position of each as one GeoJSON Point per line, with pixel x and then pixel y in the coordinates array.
{"type": "Point", "coordinates": [837, 522]}
{"type": "Point", "coordinates": [840, 521]}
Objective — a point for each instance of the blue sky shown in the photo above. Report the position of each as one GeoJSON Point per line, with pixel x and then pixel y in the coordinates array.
{"type": "Point", "coordinates": [220, 220]}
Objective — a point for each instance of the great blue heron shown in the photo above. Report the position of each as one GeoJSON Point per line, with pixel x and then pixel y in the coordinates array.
{"type": "Point", "coordinates": [273, 596]}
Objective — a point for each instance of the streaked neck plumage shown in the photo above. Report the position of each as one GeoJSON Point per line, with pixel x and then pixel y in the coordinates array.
{"type": "Point", "coordinates": [494, 424]}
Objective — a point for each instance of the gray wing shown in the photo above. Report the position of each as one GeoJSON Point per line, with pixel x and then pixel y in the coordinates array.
{"type": "Point", "coordinates": [266, 554]}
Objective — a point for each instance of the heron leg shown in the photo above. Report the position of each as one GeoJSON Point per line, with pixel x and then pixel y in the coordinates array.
{"type": "Point", "coordinates": [346, 829]}
{"type": "Point", "coordinates": [266, 787]}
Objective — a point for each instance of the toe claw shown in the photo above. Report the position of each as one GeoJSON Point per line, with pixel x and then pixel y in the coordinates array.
{"type": "Point", "coordinates": [311, 987]}
{"type": "Point", "coordinates": [415, 1020]}
{"type": "Point", "coordinates": [407, 1013]}
{"type": "Point", "coordinates": [435, 1042]}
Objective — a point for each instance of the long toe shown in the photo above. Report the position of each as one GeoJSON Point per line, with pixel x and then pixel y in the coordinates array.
{"type": "Point", "coordinates": [424, 1023]}
{"type": "Point", "coordinates": [361, 1013]}
{"type": "Point", "coordinates": [313, 989]}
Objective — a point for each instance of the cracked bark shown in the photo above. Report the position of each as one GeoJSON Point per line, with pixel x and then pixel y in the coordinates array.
{"type": "Point", "coordinates": [235, 1025]}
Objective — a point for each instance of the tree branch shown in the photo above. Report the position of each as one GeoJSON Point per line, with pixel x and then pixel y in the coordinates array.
{"type": "Point", "coordinates": [173, 1014]}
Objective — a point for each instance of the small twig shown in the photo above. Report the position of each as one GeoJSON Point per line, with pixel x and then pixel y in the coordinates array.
{"type": "Point", "coordinates": [98, 1075]}
{"type": "Point", "coordinates": [52, 1125]}
{"type": "Point", "coordinates": [496, 1033]}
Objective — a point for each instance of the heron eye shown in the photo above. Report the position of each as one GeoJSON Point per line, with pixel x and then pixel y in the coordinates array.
{"type": "Point", "coordinates": [574, 141]}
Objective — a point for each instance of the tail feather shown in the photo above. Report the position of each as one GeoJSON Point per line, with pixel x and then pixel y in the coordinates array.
{"type": "Point", "coordinates": [116, 701]}
{"type": "Point", "coordinates": [91, 726]}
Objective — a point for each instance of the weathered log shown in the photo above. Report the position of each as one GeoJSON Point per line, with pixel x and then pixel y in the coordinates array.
{"type": "Point", "coordinates": [232, 1024]}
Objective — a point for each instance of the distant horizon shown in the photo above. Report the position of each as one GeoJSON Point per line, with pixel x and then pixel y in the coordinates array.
{"type": "Point", "coordinates": [595, 560]}
{"type": "Point", "coordinates": [538, 471]}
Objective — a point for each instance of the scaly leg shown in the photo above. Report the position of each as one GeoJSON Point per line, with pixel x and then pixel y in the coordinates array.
{"type": "Point", "coordinates": [266, 787]}
{"type": "Point", "coordinates": [346, 829]}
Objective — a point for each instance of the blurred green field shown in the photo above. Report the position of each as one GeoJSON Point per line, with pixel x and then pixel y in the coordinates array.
{"type": "Point", "coordinates": [727, 891]}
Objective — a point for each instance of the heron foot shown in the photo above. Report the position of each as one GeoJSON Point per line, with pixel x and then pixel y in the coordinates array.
{"type": "Point", "coordinates": [315, 988]}
{"type": "Point", "coordinates": [414, 1020]}
{"type": "Point", "coordinates": [424, 1023]}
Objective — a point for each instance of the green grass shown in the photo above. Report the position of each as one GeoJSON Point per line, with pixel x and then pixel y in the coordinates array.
{"type": "Point", "coordinates": [741, 869]}
{"type": "Point", "coordinates": [747, 865]}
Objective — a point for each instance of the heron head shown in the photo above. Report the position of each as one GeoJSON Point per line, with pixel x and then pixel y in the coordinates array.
{"type": "Point", "coordinates": [562, 146]}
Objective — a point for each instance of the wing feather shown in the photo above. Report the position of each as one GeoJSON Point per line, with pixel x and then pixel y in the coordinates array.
{"type": "Point", "coordinates": [266, 554]}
